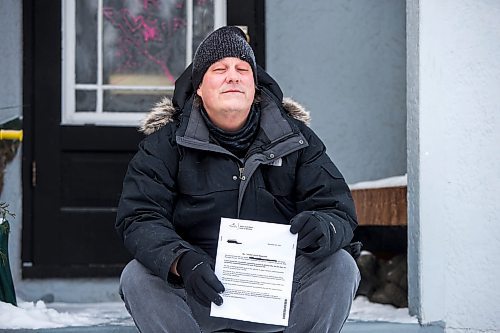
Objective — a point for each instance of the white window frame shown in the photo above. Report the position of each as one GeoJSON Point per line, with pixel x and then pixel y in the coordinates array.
{"type": "Point", "coordinates": [69, 116]}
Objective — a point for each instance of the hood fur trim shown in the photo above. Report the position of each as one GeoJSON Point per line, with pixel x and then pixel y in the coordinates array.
{"type": "Point", "coordinates": [163, 113]}
{"type": "Point", "coordinates": [296, 110]}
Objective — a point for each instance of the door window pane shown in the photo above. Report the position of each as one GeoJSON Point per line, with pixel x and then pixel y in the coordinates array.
{"type": "Point", "coordinates": [203, 21]}
{"type": "Point", "coordinates": [85, 100]}
{"type": "Point", "coordinates": [86, 41]}
{"type": "Point", "coordinates": [131, 101]}
{"type": "Point", "coordinates": [144, 42]}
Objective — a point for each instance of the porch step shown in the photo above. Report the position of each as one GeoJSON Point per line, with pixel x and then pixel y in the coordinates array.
{"type": "Point", "coordinates": [388, 327]}
{"type": "Point", "coordinates": [349, 327]}
{"type": "Point", "coordinates": [85, 329]}
{"type": "Point", "coordinates": [114, 318]}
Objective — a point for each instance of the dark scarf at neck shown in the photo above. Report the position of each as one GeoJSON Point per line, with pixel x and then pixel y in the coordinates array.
{"type": "Point", "coordinates": [236, 142]}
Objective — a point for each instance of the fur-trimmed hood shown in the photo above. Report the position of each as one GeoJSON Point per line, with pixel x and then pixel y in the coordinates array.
{"type": "Point", "coordinates": [164, 112]}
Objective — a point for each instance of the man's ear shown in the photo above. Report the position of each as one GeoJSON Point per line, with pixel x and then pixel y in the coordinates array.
{"type": "Point", "coordinates": [198, 91]}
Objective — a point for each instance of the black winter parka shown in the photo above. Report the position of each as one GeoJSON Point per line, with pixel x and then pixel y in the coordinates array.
{"type": "Point", "coordinates": [180, 183]}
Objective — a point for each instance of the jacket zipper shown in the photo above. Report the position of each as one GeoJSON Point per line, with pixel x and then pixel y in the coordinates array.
{"type": "Point", "coordinates": [242, 177]}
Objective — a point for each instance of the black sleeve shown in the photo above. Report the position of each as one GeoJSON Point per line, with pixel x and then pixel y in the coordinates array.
{"type": "Point", "coordinates": [321, 187]}
{"type": "Point", "coordinates": [144, 216]}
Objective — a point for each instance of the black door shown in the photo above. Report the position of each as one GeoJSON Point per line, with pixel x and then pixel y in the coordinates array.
{"type": "Point", "coordinates": [72, 174]}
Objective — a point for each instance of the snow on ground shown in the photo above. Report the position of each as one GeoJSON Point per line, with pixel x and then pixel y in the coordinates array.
{"type": "Point", "coordinates": [39, 315]}
{"type": "Point", "coordinates": [53, 315]}
{"type": "Point", "coordinates": [363, 310]}
{"type": "Point", "coordinates": [381, 183]}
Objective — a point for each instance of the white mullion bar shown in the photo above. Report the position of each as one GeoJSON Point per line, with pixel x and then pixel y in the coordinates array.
{"type": "Point", "coordinates": [99, 91]}
{"type": "Point", "coordinates": [108, 118]}
{"type": "Point", "coordinates": [220, 13]}
{"type": "Point", "coordinates": [118, 87]}
{"type": "Point", "coordinates": [189, 31]}
{"type": "Point", "coordinates": [68, 60]}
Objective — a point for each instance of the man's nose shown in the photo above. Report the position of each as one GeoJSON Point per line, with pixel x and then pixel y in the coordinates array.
{"type": "Point", "coordinates": [233, 75]}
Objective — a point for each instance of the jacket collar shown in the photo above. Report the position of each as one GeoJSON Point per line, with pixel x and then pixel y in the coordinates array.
{"type": "Point", "coordinates": [274, 126]}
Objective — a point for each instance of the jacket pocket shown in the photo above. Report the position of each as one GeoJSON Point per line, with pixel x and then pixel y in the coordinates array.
{"type": "Point", "coordinates": [201, 174]}
{"type": "Point", "coordinates": [206, 178]}
{"type": "Point", "coordinates": [278, 180]}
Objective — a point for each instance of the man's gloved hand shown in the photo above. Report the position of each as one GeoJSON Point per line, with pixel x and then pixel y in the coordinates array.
{"type": "Point", "coordinates": [200, 281]}
{"type": "Point", "coordinates": [316, 234]}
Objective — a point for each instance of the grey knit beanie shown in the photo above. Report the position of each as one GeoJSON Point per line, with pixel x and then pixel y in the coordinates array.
{"type": "Point", "coordinates": [224, 42]}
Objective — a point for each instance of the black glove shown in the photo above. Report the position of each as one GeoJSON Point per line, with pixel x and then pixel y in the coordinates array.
{"type": "Point", "coordinates": [316, 234]}
{"type": "Point", "coordinates": [200, 281]}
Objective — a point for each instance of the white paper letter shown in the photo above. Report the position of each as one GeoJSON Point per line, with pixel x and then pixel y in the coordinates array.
{"type": "Point", "coordinates": [255, 263]}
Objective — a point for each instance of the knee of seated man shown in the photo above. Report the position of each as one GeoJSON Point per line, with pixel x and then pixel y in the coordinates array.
{"type": "Point", "coordinates": [131, 276]}
{"type": "Point", "coordinates": [343, 264]}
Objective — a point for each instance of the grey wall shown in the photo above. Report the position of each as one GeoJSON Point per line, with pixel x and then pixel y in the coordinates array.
{"type": "Point", "coordinates": [345, 61]}
{"type": "Point", "coordinates": [10, 107]}
{"type": "Point", "coordinates": [11, 60]}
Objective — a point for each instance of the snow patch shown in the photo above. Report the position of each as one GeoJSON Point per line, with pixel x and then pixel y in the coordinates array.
{"type": "Point", "coordinates": [364, 310]}
{"type": "Point", "coordinates": [396, 181]}
{"type": "Point", "coordinates": [37, 315]}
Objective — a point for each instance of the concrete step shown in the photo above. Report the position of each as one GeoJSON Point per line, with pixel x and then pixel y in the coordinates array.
{"type": "Point", "coordinates": [86, 329]}
{"type": "Point", "coordinates": [113, 318]}
{"type": "Point", "coordinates": [349, 327]}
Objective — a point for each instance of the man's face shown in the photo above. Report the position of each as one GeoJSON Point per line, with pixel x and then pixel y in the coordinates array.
{"type": "Point", "coordinates": [227, 91]}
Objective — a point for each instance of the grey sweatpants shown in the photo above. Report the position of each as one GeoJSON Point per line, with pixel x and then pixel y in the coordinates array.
{"type": "Point", "coordinates": [322, 295]}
